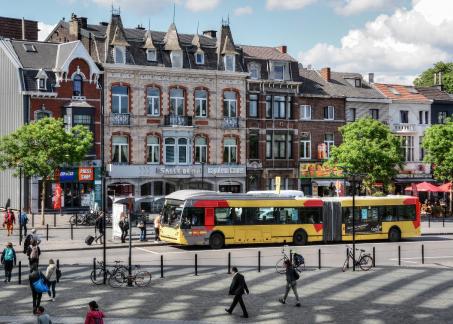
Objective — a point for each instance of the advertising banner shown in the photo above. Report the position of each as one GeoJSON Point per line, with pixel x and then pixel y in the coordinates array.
{"type": "Point", "coordinates": [86, 174]}
{"type": "Point", "coordinates": [319, 171]}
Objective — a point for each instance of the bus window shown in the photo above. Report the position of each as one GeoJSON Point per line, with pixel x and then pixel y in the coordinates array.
{"type": "Point", "coordinates": [223, 216]}
{"type": "Point", "coordinates": [388, 214]}
{"type": "Point", "coordinates": [192, 217]}
{"type": "Point", "coordinates": [310, 215]}
{"type": "Point", "coordinates": [406, 213]}
{"type": "Point", "coordinates": [236, 215]}
{"type": "Point", "coordinates": [287, 216]}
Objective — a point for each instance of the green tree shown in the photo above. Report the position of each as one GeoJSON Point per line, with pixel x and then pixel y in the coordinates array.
{"type": "Point", "coordinates": [42, 147]}
{"type": "Point", "coordinates": [368, 148]}
{"type": "Point", "coordinates": [438, 143]}
{"type": "Point", "coordinates": [426, 78]}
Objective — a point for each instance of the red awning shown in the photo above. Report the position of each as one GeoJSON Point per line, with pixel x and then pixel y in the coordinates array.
{"type": "Point", "coordinates": [446, 187]}
{"type": "Point", "coordinates": [425, 187]}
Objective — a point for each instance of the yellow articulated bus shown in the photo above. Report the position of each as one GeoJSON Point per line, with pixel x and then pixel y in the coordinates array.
{"type": "Point", "coordinates": [218, 219]}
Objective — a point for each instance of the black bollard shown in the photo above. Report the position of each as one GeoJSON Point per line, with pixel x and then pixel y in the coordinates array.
{"type": "Point", "coordinates": [76, 218]}
{"type": "Point", "coordinates": [72, 231]}
{"type": "Point", "coordinates": [423, 254]}
{"type": "Point", "coordinates": [20, 272]}
{"type": "Point", "coordinates": [347, 257]}
{"type": "Point", "coordinates": [319, 259]}
{"type": "Point", "coordinates": [94, 269]}
{"type": "Point", "coordinates": [259, 261]}
{"type": "Point", "coordinates": [291, 256]}
{"type": "Point", "coordinates": [374, 257]}
{"type": "Point", "coordinates": [54, 219]}
{"type": "Point", "coordinates": [58, 267]}
{"type": "Point", "coordinates": [161, 266]}
{"type": "Point", "coordinates": [399, 255]}
{"type": "Point", "coordinates": [429, 220]}
{"type": "Point", "coordinates": [196, 264]}
{"type": "Point", "coordinates": [229, 262]}
{"type": "Point", "coordinates": [47, 232]}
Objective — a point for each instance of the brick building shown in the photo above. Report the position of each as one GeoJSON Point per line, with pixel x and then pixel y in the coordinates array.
{"type": "Point", "coordinates": [175, 106]}
{"type": "Point", "coordinates": [44, 79]}
{"type": "Point", "coordinates": [18, 28]}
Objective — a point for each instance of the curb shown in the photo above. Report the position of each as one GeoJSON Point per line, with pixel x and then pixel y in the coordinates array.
{"type": "Point", "coordinates": [437, 233]}
{"type": "Point", "coordinates": [100, 247]}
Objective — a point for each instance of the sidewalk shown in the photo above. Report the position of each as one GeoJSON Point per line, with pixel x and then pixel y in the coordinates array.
{"type": "Point", "coordinates": [381, 295]}
{"type": "Point", "coordinates": [437, 227]}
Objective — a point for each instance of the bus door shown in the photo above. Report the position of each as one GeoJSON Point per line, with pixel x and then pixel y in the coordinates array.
{"type": "Point", "coordinates": [332, 223]}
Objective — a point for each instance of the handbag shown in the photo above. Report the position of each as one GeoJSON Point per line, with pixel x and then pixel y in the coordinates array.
{"type": "Point", "coordinates": [40, 286]}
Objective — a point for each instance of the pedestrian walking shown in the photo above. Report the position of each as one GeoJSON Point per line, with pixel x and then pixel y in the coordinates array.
{"type": "Point", "coordinates": [237, 289]}
{"type": "Point", "coordinates": [124, 226]}
{"type": "Point", "coordinates": [157, 228]}
{"type": "Point", "coordinates": [8, 260]}
{"type": "Point", "coordinates": [101, 228]}
{"type": "Point", "coordinates": [35, 236]}
{"type": "Point", "coordinates": [51, 276]}
{"type": "Point", "coordinates": [43, 317]}
{"type": "Point", "coordinates": [142, 226]}
{"type": "Point", "coordinates": [38, 285]}
{"type": "Point", "coordinates": [9, 220]}
{"type": "Point", "coordinates": [33, 253]}
{"type": "Point", "coordinates": [94, 315]}
{"type": "Point", "coordinates": [23, 221]}
{"type": "Point", "coordinates": [291, 283]}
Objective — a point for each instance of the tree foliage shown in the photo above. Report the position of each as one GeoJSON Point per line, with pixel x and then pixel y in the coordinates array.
{"type": "Point", "coordinates": [426, 78]}
{"type": "Point", "coordinates": [438, 143]}
{"type": "Point", "coordinates": [42, 147]}
{"type": "Point", "coordinates": [370, 149]}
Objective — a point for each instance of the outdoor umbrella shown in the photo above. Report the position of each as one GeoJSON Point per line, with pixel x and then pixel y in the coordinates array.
{"type": "Point", "coordinates": [424, 187]}
{"type": "Point", "coordinates": [446, 187]}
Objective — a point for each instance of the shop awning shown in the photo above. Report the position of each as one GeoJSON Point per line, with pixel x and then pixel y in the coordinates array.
{"type": "Point", "coordinates": [424, 187]}
{"type": "Point", "coordinates": [446, 187]}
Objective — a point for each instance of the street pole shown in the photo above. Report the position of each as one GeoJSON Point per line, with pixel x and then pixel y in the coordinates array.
{"type": "Point", "coordinates": [353, 222]}
{"type": "Point", "coordinates": [129, 282]}
{"type": "Point", "coordinates": [20, 205]}
{"type": "Point", "coordinates": [104, 245]}
{"type": "Point", "coordinates": [202, 175]}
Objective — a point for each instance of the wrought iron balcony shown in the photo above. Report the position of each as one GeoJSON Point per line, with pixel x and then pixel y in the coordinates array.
{"type": "Point", "coordinates": [403, 128]}
{"type": "Point", "coordinates": [230, 122]}
{"type": "Point", "coordinates": [120, 119]}
{"type": "Point", "coordinates": [176, 120]}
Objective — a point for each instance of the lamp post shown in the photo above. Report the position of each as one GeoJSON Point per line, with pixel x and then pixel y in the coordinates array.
{"type": "Point", "coordinates": [20, 204]}
{"type": "Point", "coordinates": [103, 191]}
{"type": "Point", "coordinates": [129, 281]}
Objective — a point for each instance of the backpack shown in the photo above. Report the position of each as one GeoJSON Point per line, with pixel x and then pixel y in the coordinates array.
{"type": "Point", "coordinates": [298, 259]}
{"type": "Point", "coordinates": [34, 254]}
{"type": "Point", "coordinates": [58, 273]}
{"type": "Point", "coordinates": [27, 242]}
{"type": "Point", "coordinates": [9, 255]}
{"type": "Point", "coordinates": [296, 275]}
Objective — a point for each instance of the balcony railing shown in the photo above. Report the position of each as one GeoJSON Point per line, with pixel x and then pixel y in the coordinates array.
{"type": "Point", "coordinates": [175, 120]}
{"type": "Point", "coordinates": [230, 122]}
{"type": "Point", "coordinates": [403, 128]}
{"type": "Point", "coordinates": [120, 119]}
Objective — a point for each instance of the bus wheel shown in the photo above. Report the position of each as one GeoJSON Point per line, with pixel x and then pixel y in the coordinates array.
{"type": "Point", "coordinates": [300, 238]}
{"type": "Point", "coordinates": [216, 241]}
{"type": "Point", "coordinates": [394, 235]}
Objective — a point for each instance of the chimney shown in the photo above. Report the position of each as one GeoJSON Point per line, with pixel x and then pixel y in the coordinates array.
{"type": "Point", "coordinates": [74, 27]}
{"type": "Point", "coordinates": [210, 33]}
{"type": "Point", "coordinates": [104, 23]}
{"type": "Point", "coordinates": [23, 28]}
{"type": "Point", "coordinates": [370, 78]}
{"type": "Point", "coordinates": [325, 73]}
{"type": "Point", "coordinates": [283, 49]}
{"type": "Point", "coordinates": [83, 22]}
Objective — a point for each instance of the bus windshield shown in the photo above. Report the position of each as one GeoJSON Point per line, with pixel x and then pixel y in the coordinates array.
{"type": "Point", "coordinates": [171, 213]}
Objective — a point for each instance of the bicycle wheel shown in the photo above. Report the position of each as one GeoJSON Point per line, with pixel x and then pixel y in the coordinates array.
{"type": "Point", "coordinates": [280, 266]}
{"type": "Point", "coordinates": [117, 279]}
{"type": "Point", "coordinates": [366, 262]}
{"type": "Point", "coordinates": [99, 277]}
{"type": "Point", "coordinates": [142, 278]}
{"type": "Point", "coordinates": [72, 220]}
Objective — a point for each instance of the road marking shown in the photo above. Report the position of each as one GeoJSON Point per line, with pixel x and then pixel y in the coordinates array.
{"type": "Point", "coordinates": [145, 250]}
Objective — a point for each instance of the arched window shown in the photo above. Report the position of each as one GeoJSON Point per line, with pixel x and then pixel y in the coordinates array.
{"type": "Point", "coordinates": [183, 150]}
{"type": "Point", "coordinates": [201, 150]}
{"type": "Point", "coordinates": [77, 85]}
{"type": "Point", "coordinates": [176, 150]}
{"type": "Point", "coordinates": [230, 151]}
{"type": "Point", "coordinates": [153, 145]}
{"type": "Point", "coordinates": [120, 149]}
{"type": "Point", "coordinates": [229, 104]}
{"type": "Point", "coordinates": [153, 98]}
{"type": "Point", "coordinates": [177, 102]}
{"type": "Point", "coordinates": [201, 103]}
{"type": "Point", "coordinates": [120, 100]}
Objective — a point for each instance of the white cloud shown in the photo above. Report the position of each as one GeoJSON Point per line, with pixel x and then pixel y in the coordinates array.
{"type": "Point", "coordinates": [396, 46]}
{"type": "Point", "coordinates": [201, 5]}
{"type": "Point", "coordinates": [352, 7]}
{"type": "Point", "coordinates": [288, 4]}
{"type": "Point", "coordinates": [44, 30]}
{"type": "Point", "coordinates": [243, 11]}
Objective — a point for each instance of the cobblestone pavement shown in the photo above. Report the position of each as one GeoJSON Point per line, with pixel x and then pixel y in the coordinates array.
{"type": "Point", "coordinates": [419, 294]}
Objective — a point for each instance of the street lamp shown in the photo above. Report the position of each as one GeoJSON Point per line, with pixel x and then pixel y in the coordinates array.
{"type": "Point", "coordinates": [20, 204]}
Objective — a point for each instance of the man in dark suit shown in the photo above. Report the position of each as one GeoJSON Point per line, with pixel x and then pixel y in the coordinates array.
{"type": "Point", "coordinates": [237, 288]}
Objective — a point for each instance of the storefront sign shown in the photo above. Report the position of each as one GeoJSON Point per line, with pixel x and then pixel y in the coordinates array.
{"type": "Point", "coordinates": [230, 170]}
{"type": "Point", "coordinates": [67, 176]}
{"type": "Point", "coordinates": [86, 174]}
{"type": "Point", "coordinates": [319, 171]}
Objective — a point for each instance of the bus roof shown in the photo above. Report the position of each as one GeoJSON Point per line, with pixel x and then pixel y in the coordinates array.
{"type": "Point", "coordinates": [283, 193]}
{"type": "Point", "coordinates": [367, 197]}
{"type": "Point", "coordinates": [186, 194]}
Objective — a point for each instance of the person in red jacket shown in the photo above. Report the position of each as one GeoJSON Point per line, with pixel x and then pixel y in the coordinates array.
{"type": "Point", "coordinates": [9, 220]}
{"type": "Point", "coordinates": [94, 315]}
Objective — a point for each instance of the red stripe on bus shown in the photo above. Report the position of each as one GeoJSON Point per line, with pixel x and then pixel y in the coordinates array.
{"type": "Point", "coordinates": [209, 217]}
{"type": "Point", "coordinates": [318, 227]}
{"type": "Point", "coordinates": [414, 201]}
{"type": "Point", "coordinates": [313, 203]}
{"type": "Point", "coordinates": [211, 203]}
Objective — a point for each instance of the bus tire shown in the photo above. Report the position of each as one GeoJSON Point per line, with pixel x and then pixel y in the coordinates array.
{"type": "Point", "coordinates": [394, 234]}
{"type": "Point", "coordinates": [300, 237]}
{"type": "Point", "coordinates": [216, 241]}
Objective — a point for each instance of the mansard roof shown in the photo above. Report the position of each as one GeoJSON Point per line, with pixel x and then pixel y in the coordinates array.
{"type": "Point", "coordinates": [265, 53]}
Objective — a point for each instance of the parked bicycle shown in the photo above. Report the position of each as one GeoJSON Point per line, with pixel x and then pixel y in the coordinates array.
{"type": "Point", "coordinates": [364, 260]}
{"type": "Point", "coordinates": [89, 218]}
{"type": "Point", "coordinates": [121, 279]}
{"type": "Point", "coordinates": [97, 277]}
{"type": "Point", "coordinates": [298, 262]}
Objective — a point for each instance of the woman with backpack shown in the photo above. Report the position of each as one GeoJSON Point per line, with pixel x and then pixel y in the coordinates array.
{"type": "Point", "coordinates": [38, 285]}
{"type": "Point", "coordinates": [94, 315]}
{"type": "Point", "coordinates": [33, 253]}
{"type": "Point", "coordinates": [51, 276]}
{"type": "Point", "coordinates": [291, 282]}
{"type": "Point", "coordinates": [8, 260]}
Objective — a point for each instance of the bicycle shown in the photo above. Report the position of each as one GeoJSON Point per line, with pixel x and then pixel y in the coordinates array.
{"type": "Point", "coordinates": [364, 260]}
{"type": "Point", "coordinates": [140, 279]}
{"type": "Point", "coordinates": [298, 262]}
{"type": "Point", "coordinates": [98, 277]}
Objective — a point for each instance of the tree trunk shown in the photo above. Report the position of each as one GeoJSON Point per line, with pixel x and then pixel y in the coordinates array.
{"type": "Point", "coordinates": [43, 200]}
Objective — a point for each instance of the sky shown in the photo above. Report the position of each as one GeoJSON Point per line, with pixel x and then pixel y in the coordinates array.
{"type": "Point", "coordinates": [395, 39]}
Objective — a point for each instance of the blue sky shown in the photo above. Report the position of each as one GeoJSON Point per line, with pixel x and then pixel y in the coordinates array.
{"type": "Point", "coordinates": [380, 36]}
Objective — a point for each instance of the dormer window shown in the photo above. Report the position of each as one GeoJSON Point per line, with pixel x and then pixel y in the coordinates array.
{"type": "Point", "coordinates": [278, 71]}
{"type": "Point", "coordinates": [176, 59]}
{"type": "Point", "coordinates": [41, 84]}
{"type": "Point", "coordinates": [358, 83]}
{"type": "Point", "coordinates": [151, 55]}
{"type": "Point", "coordinates": [199, 57]}
{"type": "Point", "coordinates": [230, 62]}
{"type": "Point", "coordinates": [255, 72]}
{"type": "Point", "coordinates": [119, 54]}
